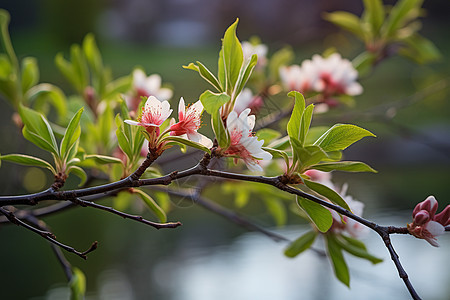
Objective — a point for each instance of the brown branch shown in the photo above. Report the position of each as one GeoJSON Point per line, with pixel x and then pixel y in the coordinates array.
{"type": "Point", "coordinates": [140, 219]}
{"type": "Point", "coordinates": [46, 234]}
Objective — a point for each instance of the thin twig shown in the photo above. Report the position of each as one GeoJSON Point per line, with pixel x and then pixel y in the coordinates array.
{"type": "Point", "coordinates": [140, 219]}
{"type": "Point", "coordinates": [46, 234]}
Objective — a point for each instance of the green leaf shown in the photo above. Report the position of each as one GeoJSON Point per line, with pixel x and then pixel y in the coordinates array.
{"type": "Point", "coordinates": [154, 207]}
{"type": "Point", "coordinates": [276, 209]}
{"type": "Point", "coordinates": [293, 126]}
{"type": "Point", "coordinates": [79, 172]}
{"type": "Point", "coordinates": [347, 166]}
{"type": "Point", "coordinates": [301, 244]}
{"type": "Point", "coordinates": [318, 214]}
{"type": "Point", "coordinates": [267, 135]}
{"type": "Point", "coordinates": [374, 14]}
{"type": "Point", "coordinates": [6, 40]}
{"type": "Point", "coordinates": [419, 49]}
{"type": "Point", "coordinates": [399, 15]}
{"type": "Point", "coordinates": [72, 134]}
{"type": "Point", "coordinates": [346, 21]}
{"type": "Point", "coordinates": [327, 193]}
{"type": "Point", "coordinates": [356, 250]}
{"type": "Point", "coordinates": [337, 259]}
{"type": "Point", "coordinates": [103, 159]}
{"type": "Point", "coordinates": [38, 127]}
{"type": "Point", "coordinates": [232, 56]}
{"type": "Point", "coordinates": [183, 141]}
{"type": "Point", "coordinates": [364, 62]}
{"type": "Point", "coordinates": [30, 73]}
{"type": "Point", "coordinates": [307, 156]}
{"type": "Point", "coordinates": [306, 122]}
{"type": "Point", "coordinates": [27, 160]}
{"type": "Point", "coordinates": [124, 143]}
{"type": "Point", "coordinates": [205, 74]}
{"type": "Point", "coordinates": [212, 102]}
{"type": "Point", "coordinates": [44, 93]}
{"type": "Point", "coordinates": [245, 73]}
{"type": "Point", "coordinates": [278, 153]}
{"type": "Point", "coordinates": [340, 136]}
{"type": "Point", "coordinates": [77, 285]}
{"type": "Point", "coordinates": [92, 54]}
{"type": "Point", "coordinates": [220, 131]}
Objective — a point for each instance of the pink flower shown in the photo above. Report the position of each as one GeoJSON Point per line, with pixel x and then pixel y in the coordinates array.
{"type": "Point", "coordinates": [189, 121]}
{"type": "Point", "coordinates": [330, 76]}
{"type": "Point", "coordinates": [144, 86]}
{"type": "Point", "coordinates": [246, 99]}
{"type": "Point", "coordinates": [426, 224]}
{"type": "Point", "coordinates": [154, 113]}
{"type": "Point", "coordinates": [244, 144]}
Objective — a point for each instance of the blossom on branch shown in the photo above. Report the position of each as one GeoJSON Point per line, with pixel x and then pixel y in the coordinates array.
{"type": "Point", "coordinates": [189, 121]}
{"type": "Point", "coordinates": [426, 224]}
{"type": "Point", "coordinates": [243, 144]}
{"type": "Point", "coordinates": [329, 76]}
{"type": "Point", "coordinates": [154, 113]}
{"type": "Point", "coordinates": [260, 50]}
{"type": "Point", "coordinates": [144, 86]}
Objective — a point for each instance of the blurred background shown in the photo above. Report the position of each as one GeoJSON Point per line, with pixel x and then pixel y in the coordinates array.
{"type": "Point", "coordinates": [209, 257]}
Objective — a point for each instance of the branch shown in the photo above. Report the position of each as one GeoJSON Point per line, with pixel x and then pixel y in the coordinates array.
{"type": "Point", "coordinates": [46, 234]}
{"type": "Point", "coordinates": [140, 219]}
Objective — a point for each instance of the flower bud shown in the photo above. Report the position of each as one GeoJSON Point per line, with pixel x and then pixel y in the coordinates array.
{"type": "Point", "coordinates": [430, 205]}
{"type": "Point", "coordinates": [421, 217]}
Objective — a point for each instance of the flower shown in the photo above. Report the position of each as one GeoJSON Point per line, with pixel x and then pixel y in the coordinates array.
{"type": "Point", "coordinates": [189, 121]}
{"type": "Point", "coordinates": [426, 224]}
{"type": "Point", "coordinates": [154, 113]}
{"type": "Point", "coordinates": [243, 144]}
{"type": "Point", "coordinates": [246, 99]}
{"type": "Point", "coordinates": [260, 50]}
{"type": "Point", "coordinates": [330, 76]}
{"type": "Point", "coordinates": [144, 86]}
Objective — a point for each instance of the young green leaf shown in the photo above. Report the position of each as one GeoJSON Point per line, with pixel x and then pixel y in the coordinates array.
{"type": "Point", "coordinates": [301, 244]}
{"type": "Point", "coordinates": [212, 102]}
{"type": "Point", "coordinates": [374, 14]}
{"type": "Point", "coordinates": [346, 21]}
{"type": "Point", "coordinates": [180, 140]}
{"type": "Point", "coordinates": [399, 15]}
{"type": "Point", "coordinates": [340, 136]}
{"type": "Point", "coordinates": [72, 134]}
{"type": "Point", "coordinates": [77, 285]}
{"type": "Point", "coordinates": [318, 214]}
{"type": "Point", "coordinates": [221, 133]}
{"type": "Point", "coordinates": [327, 193]}
{"type": "Point", "coordinates": [44, 93]}
{"type": "Point", "coordinates": [278, 153]}
{"type": "Point", "coordinates": [37, 130]}
{"type": "Point", "coordinates": [232, 56]}
{"type": "Point", "coordinates": [79, 172]}
{"type": "Point", "coordinates": [337, 259]}
{"type": "Point", "coordinates": [205, 74]}
{"type": "Point", "coordinates": [347, 166]}
{"type": "Point", "coordinates": [154, 207]}
{"type": "Point", "coordinates": [92, 54]}
{"type": "Point", "coordinates": [267, 135]}
{"type": "Point", "coordinates": [28, 160]}
{"type": "Point", "coordinates": [293, 126]}
{"type": "Point", "coordinates": [353, 249]}
{"type": "Point", "coordinates": [245, 73]}
{"type": "Point", "coordinates": [30, 73]}
{"type": "Point", "coordinates": [103, 159]}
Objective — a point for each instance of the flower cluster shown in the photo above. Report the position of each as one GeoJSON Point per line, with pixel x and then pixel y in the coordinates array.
{"type": "Point", "coordinates": [329, 76]}
{"type": "Point", "coordinates": [144, 86]}
{"type": "Point", "coordinates": [426, 224]}
{"type": "Point", "coordinates": [341, 223]}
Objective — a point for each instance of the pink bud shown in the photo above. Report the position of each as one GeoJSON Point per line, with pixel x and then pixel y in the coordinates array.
{"type": "Point", "coordinates": [430, 204]}
{"type": "Point", "coordinates": [443, 217]}
{"type": "Point", "coordinates": [421, 217]}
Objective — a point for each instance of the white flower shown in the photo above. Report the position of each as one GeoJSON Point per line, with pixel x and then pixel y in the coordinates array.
{"type": "Point", "coordinates": [260, 50]}
{"type": "Point", "coordinates": [246, 99]}
{"type": "Point", "coordinates": [294, 78]}
{"type": "Point", "coordinates": [189, 121]}
{"type": "Point", "coordinates": [154, 113]}
{"type": "Point", "coordinates": [243, 144]}
{"type": "Point", "coordinates": [144, 86]}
